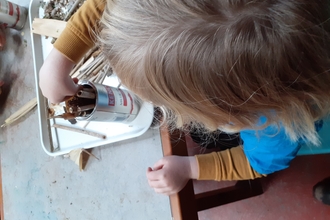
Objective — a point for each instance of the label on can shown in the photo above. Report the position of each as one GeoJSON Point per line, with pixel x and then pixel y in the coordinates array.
{"type": "Point", "coordinates": [12, 15]}
{"type": "Point", "coordinates": [113, 104]}
{"type": "Point", "coordinates": [111, 97]}
{"type": "Point", "coordinates": [121, 100]}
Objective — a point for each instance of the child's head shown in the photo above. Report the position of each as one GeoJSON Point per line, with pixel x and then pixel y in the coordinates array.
{"type": "Point", "coordinates": [224, 63]}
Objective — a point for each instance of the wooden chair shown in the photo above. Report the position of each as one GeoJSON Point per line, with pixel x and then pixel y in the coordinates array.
{"type": "Point", "coordinates": [185, 205]}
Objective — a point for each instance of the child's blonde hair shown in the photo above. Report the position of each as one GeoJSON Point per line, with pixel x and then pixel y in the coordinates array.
{"type": "Point", "coordinates": [224, 63]}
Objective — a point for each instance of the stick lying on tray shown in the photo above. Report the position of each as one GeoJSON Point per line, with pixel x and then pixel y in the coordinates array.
{"type": "Point", "coordinates": [79, 130]}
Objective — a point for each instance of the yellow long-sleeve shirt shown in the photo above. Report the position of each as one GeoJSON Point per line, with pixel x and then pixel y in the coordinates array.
{"type": "Point", "coordinates": [79, 34]}
{"type": "Point", "coordinates": [78, 38]}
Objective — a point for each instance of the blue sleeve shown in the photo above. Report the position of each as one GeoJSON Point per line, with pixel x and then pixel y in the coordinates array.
{"type": "Point", "coordinates": [268, 150]}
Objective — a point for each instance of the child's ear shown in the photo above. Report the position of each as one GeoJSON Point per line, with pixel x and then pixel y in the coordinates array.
{"type": "Point", "coordinates": [321, 191]}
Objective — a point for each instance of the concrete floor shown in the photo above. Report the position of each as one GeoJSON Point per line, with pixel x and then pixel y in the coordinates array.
{"type": "Point", "coordinates": [37, 186]}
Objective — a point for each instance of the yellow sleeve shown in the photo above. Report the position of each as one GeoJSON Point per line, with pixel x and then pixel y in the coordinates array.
{"type": "Point", "coordinates": [230, 164]}
{"type": "Point", "coordinates": [77, 38]}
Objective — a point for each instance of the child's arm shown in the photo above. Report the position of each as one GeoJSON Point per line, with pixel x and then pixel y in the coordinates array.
{"type": "Point", "coordinates": [231, 164]}
{"type": "Point", "coordinates": [170, 174]}
{"type": "Point", "coordinates": [264, 152]}
{"type": "Point", "coordinates": [70, 47]}
{"type": "Point", "coordinates": [54, 80]}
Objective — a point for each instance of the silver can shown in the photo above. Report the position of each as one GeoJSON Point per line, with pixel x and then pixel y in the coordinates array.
{"type": "Point", "coordinates": [12, 15]}
{"type": "Point", "coordinates": [111, 104]}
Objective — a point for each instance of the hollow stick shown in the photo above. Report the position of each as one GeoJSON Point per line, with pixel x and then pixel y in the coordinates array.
{"type": "Point", "coordinates": [93, 66]}
{"type": "Point", "coordinates": [79, 130]}
{"type": "Point", "coordinates": [85, 107]}
{"type": "Point", "coordinates": [84, 60]}
{"type": "Point", "coordinates": [78, 73]}
{"type": "Point", "coordinates": [98, 69]}
{"type": "Point", "coordinates": [101, 77]}
{"type": "Point", "coordinates": [86, 95]}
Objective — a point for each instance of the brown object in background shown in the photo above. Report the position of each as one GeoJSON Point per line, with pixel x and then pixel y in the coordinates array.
{"type": "Point", "coordinates": [2, 37]}
{"type": "Point", "coordinates": [85, 156]}
{"type": "Point", "coordinates": [1, 84]}
{"type": "Point", "coordinates": [81, 156]}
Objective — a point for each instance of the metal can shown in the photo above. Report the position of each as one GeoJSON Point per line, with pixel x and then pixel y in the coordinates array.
{"type": "Point", "coordinates": [112, 104]}
{"type": "Point", "coordinates": [12, 15]}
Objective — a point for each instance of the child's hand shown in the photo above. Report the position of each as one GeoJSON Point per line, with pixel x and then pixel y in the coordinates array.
{"type": "Point", "coordinates": [170, 174]}
{"type": "Point", "coordinates": [54, 80]}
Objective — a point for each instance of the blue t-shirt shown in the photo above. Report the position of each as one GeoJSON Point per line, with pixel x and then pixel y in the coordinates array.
{"type": "Point", "coordinates": [270, 149]}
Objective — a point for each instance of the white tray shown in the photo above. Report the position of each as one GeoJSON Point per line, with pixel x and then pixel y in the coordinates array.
{"type": "Point", "coordinates": [58, 142]}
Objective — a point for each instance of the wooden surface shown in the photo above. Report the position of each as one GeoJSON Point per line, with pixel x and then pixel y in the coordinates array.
{"type": "Point", "coordinates": [241, 190]}
{"type": "Point", "coordinates": [185, 205]}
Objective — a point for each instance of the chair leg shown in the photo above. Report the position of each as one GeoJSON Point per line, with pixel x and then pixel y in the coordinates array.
{"type": "Point", "coordinates": [254, 186]}
{"type": "Point", "coordinates": [183, 204]}
{"type": "Point", "coordinates": [242, 190]}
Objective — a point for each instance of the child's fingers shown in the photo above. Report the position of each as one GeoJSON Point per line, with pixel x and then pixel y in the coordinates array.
{"type": "Point", "coordinates": [164, 191]}
{"type": "Point", "coordinates": [75, 80]}
{"type": "Point", "coordinates": [157, 184]}
{"type": "Point", "coordinates": [154, 175]}
{"type": "Point", "coordinates": [157, 168]}
{"type": "Point", "coordinates": [159, 164]}
{"type": "Point", "coordinates": [148, 171]}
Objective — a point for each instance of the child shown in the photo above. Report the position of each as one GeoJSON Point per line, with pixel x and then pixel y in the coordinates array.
{"type": "Point", "coordinates": [260, 68]}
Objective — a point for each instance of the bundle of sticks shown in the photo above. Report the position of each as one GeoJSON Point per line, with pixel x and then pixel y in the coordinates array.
{"type": "Point", "coordinates": [80, 105]}
{"type": "Point", "coordinates": [92, 67]}
{"type": "Point", "coordinates": [61, 9]}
